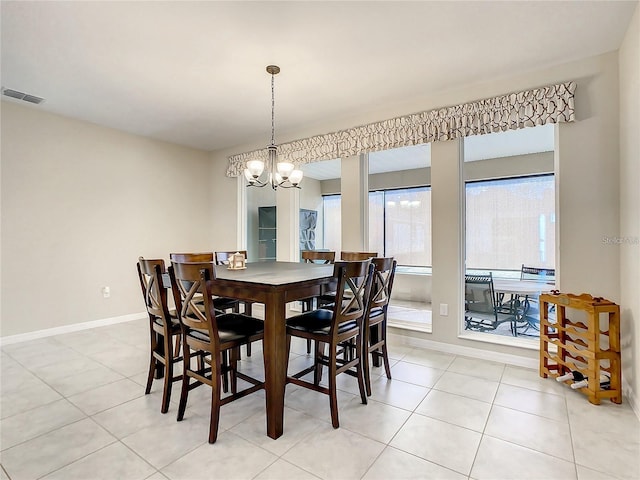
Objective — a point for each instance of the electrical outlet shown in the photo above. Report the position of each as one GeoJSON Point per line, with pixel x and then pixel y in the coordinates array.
{"type": "Point", "coordinates": [106, 292]}
{"type": "Point", "coordinates": [444, 309]}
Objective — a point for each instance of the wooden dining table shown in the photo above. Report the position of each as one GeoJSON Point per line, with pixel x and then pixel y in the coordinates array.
{"type": "Point", "coordinates": [273, 284]}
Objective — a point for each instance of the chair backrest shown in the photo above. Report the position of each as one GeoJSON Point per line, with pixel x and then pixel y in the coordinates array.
{"type": "Point", "coordinates": [537, 273]}
{"type": "Point", "coordinates": [479, 294]}
{"type": "Point", "coordinates": [315, 256]}
{"type": "Point", "coordinates": [150, 273]}
{"type": "Point", "coordinates": [191, 283]}
{"type": "Point", "coordinates": [357, 256]}
{"type": "Point", "coordinates": [382, 283]}
{"type": "Point", "coordinates": [192, 257]}
{"type": "Point", "coordinates": [222, 258]}
{"type": "Point", "coordinates": [354, 277]}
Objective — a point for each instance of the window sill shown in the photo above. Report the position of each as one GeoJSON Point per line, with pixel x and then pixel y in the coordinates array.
{"type": "Point", "coordinates": [413, 327]}
{"type": "Point", "coordinates": [409, 315]}
{"type": "Point", "coordinates": [519, 342]}
{"type": "Point", "coordinates": [407, 270]}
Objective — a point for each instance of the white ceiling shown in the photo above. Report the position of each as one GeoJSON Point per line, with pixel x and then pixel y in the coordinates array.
{"type": "Point", "coordinates": [193, 73]}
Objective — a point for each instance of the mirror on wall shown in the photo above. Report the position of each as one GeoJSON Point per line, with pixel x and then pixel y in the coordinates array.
{"type": "Point", "coordinates": [400, 205]}
{"type": "Point", "coordinates": [261, 224]}
{"type": "Point", "coordinates": [319, 223]}
{"type": "Point", "coordinates": [321, 194]}
{"type": "Point", "coordinates": [400, 227]}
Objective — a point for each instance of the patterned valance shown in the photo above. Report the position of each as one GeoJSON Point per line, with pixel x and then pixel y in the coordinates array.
{"type": "Point", "coordinates": [550, 104]}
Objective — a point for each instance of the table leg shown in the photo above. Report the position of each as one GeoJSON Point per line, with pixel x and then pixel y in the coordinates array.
{"type": "Point", "coordinates": [275, 362]}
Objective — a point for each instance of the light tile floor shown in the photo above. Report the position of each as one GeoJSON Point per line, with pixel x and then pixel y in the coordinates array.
{"type": "Point", "coordinates": [73, 407]}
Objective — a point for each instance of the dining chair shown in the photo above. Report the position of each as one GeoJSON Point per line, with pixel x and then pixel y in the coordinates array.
{"type": "Point", "coordinates": [537, 273]}
{"type": "Point", "coordinates": [356, 256]}
{"type": "Point", "coordinates": [334, 327]}
{"type": "Point", "coordinates": [164, 328]}
{"type": "Point", "coordinates": [206, 332]}
{"type": "Point", "coordinates": [375, 320]}
{"type": "Point", "coordinates": [481, 311]}
{"type": "Point", "coordinates": [318, 257]}
{"type": "Point", "coordinates": [327, 298]}
{"type": "Point", "coordinates": [221, 303]}
{"type": "Point", "coordinates": [222, 258]}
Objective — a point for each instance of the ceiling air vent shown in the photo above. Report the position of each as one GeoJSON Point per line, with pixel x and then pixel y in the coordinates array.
{"type": "Point", "coordinates": [22, 96]}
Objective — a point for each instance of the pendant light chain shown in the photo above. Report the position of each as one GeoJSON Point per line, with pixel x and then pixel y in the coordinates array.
{"type": "Point", "coordinates": [273, 109]}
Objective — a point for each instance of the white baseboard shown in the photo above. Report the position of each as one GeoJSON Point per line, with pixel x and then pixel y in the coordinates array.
{"type": "Point", "coordinates": [516, 360]}
{"type": "Point", "coordinates": [74, 327]}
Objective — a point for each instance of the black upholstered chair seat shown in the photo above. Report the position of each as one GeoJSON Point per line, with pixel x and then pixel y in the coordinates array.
{"type": "Point", "coordinates": [231, 327]}
{"type": "Point", "coordinates": [175, 323]}
{"type": "Point", "coordinates": [317, 321]}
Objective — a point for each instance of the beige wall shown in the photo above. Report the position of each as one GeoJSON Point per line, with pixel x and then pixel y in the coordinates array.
{"type": "Point", "coordinates": [629, 58]}
{"type": "Point", "coordinates": [330, 187]}
{"type": "Point", "coordinates": [519, 165]}
{"type": "Point", "coordinates": [416, 177]}
{"type": "Point", "coordinates": [80, 203]}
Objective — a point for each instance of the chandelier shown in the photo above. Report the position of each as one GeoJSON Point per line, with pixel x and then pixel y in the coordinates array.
{"type": "Point", "coordinates": [280, 174]}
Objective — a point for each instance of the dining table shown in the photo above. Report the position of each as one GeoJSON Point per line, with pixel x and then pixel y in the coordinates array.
{"type": "Point", "coordinates": [520, 291]}
{"type": "Point", "coordinates": [521, 287]}
{"type": "Point", "coordinates": [273, 284]}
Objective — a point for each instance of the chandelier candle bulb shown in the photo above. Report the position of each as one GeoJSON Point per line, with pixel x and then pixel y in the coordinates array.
{"type": "Point", "coordinates": [296, 177]}
{"type": "Point", "coordinates": [285, 169]}
{"type": "Point", "coordinates": [255, 168]}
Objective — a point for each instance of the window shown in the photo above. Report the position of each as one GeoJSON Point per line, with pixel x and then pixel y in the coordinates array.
{"type": "Point", "coordinates": [332, 222]}
{"type": "Point", "coordinates": [510, 222]}
{"type": "Point", "coordinates": [400, 225]}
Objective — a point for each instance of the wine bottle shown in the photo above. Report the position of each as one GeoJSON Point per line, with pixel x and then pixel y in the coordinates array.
{"type": "Point", "coordinates": [574, 375]}
{"type": "Point", "coordinates": [605, 382]}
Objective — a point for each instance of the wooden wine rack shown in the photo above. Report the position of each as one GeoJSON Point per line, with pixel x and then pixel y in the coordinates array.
{"type": "Point", "coordinates": [590, 348]}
